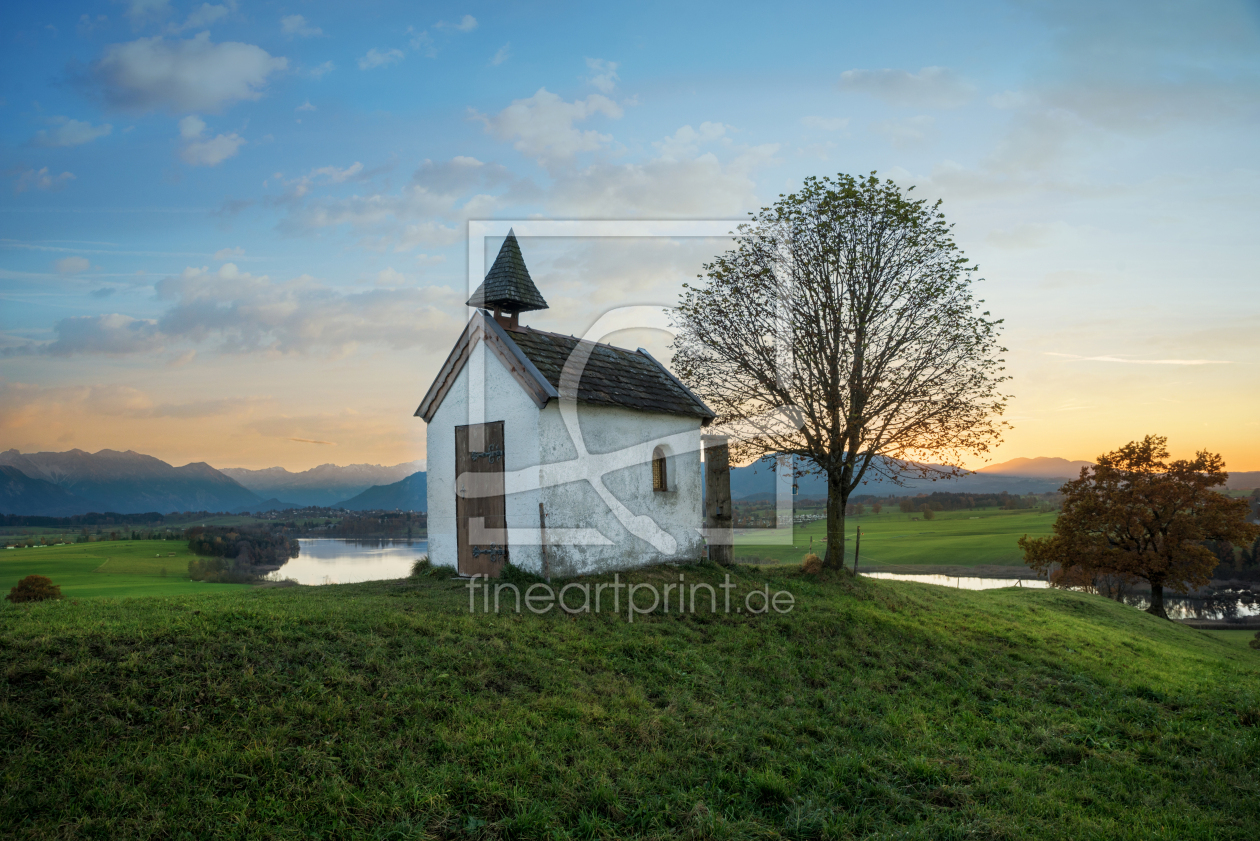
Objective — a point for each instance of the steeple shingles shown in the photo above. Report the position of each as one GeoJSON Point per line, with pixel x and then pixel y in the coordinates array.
{"type": "Point", "coordinates": [508, 286]}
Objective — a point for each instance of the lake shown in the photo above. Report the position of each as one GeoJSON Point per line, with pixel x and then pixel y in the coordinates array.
{"type": "Point", "coordinates": [1214, 605]}
{"type": "Point", "coordinates": [330, 561]}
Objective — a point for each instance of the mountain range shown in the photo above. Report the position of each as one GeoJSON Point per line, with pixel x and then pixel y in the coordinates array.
{"type": "Point", "coordinates": [78, 482]}
{"type": "Point", "coordinates": [410, 494]}
{"type": "Point", "coordinates": [326, 485]}
{"type": "Point", "coordinates": [123, 482]}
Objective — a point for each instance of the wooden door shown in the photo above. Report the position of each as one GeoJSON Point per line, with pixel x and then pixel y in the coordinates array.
{"type": "Point", "coordinates": [481, 520]}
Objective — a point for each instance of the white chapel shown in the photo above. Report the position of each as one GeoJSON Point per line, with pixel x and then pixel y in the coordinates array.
{"type": "Point", "coordinates": [560, 455]}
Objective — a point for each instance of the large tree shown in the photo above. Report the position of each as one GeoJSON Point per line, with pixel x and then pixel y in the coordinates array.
{"type": "Point", "coordinates": [1137, 516]}
{"type": "Point", "coordinates": [849, 305]}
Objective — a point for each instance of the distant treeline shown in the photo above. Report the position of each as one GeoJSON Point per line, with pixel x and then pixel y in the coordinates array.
{"type": "Point", "coordinates": [951, 501]}
{"type": "Point", "coordinates": [394, 525]}
{"type": "Point", "coordinates": [235, 555]}
{"type": "Point", "coordinates": [109, 518]}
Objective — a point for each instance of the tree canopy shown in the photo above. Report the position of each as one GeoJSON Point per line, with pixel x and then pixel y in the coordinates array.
{"type": "Point", "coordinates": [1137, 516]}
{"type": "Point", "coordinates": [849, 304]}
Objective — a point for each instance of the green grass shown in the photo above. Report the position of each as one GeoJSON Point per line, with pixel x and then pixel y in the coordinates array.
{"type": "Point", "coordinates": [1241, 639]}
{"type": "Point", "coordinates": [953, 538]}
{"type": "Point", "coordinates": [118, 568]}
{"type": "Point", "coordinates": [386, 711]}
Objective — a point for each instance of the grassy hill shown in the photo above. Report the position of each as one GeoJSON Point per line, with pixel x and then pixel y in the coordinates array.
{"type": "Point", "coordinates": [118, 568]}
{"type": "Point", "coordinates": [384, 710]}
{"type": "Point", "coordinates": [985, 536]}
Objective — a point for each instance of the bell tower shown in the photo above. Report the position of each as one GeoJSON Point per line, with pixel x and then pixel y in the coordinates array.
{"type": "Point", "coordinates": [508, 289]}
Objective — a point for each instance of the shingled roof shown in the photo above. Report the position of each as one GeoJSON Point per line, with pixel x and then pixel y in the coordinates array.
{"type": "Point", "coordinates": [508, 286]}
{"type": "Point", "coordinates": [612, 376]}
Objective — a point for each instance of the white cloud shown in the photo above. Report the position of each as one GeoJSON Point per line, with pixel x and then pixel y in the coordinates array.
{"type": "Point", "coordinates": [229, 253]}
{"type": "Point", "coordinates": [830, 124]}
{"type": "Point", "coordinates": [207, 152]}
{"type": "Point", "coordinates": [298, 25]}
{"type": "Point", "coordinates": [243, 313]}
{"type": "Point", "coordinates": [201, 17]}
{"type": "Point", "coordinates": [603, 74]}
{"type": "Point", "coordinates": [301, 185]}
{"type": "Point", "coordinates": [422, 40]}
{"type": "Point", "coordinates": [1073, 357]}
{"type": "Point", "coordinates": [72, 265]}
{"type": "Point", "coordinates": [1010, 99]}
{"type": "Point", "coordinates": [87, 24]}
{"type": "Point", "coordinates": [376, 58]}
{"type": "Point", "coordinates": [908, 132]}
{"type": "Point", "coordinates": [390, 277]}
{"type": "Point", "coordinates": [305, 106]}
{"type": "Point", "coordinates": [466, 24]}
{"type": "Point", "coordinates": [542, 126]}
{"type": "Point", "coordinates": [320, 70]}
{"type": "Point", "coordinates": [39, 179]}
{"type": "Point", "coordinates": [664, 188]}
{"type": "Point", "coordinates": [183, 75]}
{"type": "Point", "coordinates": [70, 132]}
{"type": "Point", "coordinates": [141, 11]}
{"type": "Point", "coordinates": [111, 334]}
{"type": "Point", "coordinates": [501, 55]}
{"type": "Point", "coordinates": [931, 87]}
{"type": "Point", "coordinates": [686, 142]}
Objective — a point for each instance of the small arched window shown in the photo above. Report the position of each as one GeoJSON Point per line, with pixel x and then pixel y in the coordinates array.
{"type": "Point", "coordinates": [659, 479]}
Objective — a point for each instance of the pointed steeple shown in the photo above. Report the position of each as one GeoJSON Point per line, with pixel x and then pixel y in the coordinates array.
{"type": "Point", "coordinates": [507, 286]}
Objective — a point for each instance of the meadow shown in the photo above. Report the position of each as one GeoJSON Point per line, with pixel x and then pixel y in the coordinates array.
{"type": "Point", "coordinates": [978, 537]}
{"type": "Point", "coordinates": [386, 710]}
{"type": "Point", "coordinates": [117, 568]}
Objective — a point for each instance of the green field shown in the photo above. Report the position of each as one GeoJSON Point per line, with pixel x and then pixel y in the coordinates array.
{"type": "Point", "coordinates": [117, 568]}
{"type": "Point", "coordinates": [953, 538]}
{"type": "Point", "coordinates": [1242, 639]}
{"type": "Point", "coordinates": [385, 711]}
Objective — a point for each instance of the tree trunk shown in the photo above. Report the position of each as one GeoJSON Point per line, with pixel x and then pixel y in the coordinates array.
{"type": "Point", "coordinates": [1157, 600]}
{"type": "Point", "coordinates": [836, 502]}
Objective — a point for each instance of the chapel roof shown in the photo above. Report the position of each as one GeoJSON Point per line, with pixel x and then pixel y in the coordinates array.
{"type": "Point", "coordinates": [612, 376]}
{"type": "Point", "coordinates": [508, 286]}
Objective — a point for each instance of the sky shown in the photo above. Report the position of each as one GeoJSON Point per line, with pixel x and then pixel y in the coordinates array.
{"type": "Point", "coordinates": [237, 232]}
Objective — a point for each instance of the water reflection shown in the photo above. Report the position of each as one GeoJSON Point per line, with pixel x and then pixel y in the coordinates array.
{"type": "Point", "coordinates": [330, 561]}
{"type": "Point", "coordinates": [1218, 605]}
{"type": "Point", "coordinates": [962, 582]}
{"type": "Point", "coordinates": [1223, 604]}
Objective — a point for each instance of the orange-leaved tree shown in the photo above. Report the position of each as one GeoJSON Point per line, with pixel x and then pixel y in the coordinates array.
{"type": "Point", "coordinates": [1137, 516]}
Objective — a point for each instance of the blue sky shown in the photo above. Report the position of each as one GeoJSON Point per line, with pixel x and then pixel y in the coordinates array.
{"type": "Point", "coordinates": [234, 232]}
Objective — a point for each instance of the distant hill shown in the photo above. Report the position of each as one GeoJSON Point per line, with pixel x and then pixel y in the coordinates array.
{"type": "Point", "coordinates": [130, 482]}
{"type": "Point", "coordinates": [1244, 480]}
{"type": "Point", "coordinates": [272, 504]}
{"type": "Point", "coordinates": [756, 481]}
{"type": "Point", "coordinates": [20, 494]}
{"type": "Point", "coordinates": [1044, 467]}
{"type": "Point", "coordinates": [411, 494]}
{"type": "Point", "coordinates": [1017, 476]}
{"type": "Point", "coordinates": [328, 484]}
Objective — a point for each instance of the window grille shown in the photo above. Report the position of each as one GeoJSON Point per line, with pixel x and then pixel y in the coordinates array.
{"type": "Point", "coordinates": [659, 479]}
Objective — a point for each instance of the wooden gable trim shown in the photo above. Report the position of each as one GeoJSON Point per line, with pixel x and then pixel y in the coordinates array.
{"type": "Point", "coordinates": [446, 376]}
{"type": "Point", "coordinates": [515, 360]}
{"type": "Point", "coordinates": [482, 328]}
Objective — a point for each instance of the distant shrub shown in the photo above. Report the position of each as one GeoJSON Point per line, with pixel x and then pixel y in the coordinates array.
{"type": "Point", "coordinates": [34, 588]}
{"type": "Point", "coordinates": [928, 513]}
{"type": "Point", "coordinates": [1255, 643]}
{"type": "Point", "coordinates": [220, 571]}
{"type": "Point", "coordinates": [812, 564]}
